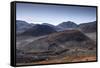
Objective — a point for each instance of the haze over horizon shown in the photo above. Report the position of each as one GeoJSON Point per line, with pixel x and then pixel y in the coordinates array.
{"type": "Point", "coordinates": [54, 14]}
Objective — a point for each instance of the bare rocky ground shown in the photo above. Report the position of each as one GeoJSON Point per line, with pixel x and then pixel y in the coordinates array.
{"type": "Point", "coordinates": [91, 35]}
{"type": "Point", "coordinates": [70, 51]}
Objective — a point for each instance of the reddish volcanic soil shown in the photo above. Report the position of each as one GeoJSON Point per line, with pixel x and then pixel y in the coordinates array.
{"type": "Point", "coordinates": [68, 59]}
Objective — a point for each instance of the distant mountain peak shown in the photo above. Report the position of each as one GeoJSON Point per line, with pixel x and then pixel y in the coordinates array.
{"type": "Point", "coordinates": [88, 27]}
{"type": "Point", "coordinates": [68, 24]}
{"type": "Point", "coordinates": [21, 26]}
{"type": "Point", "coordinates": [39, 30]}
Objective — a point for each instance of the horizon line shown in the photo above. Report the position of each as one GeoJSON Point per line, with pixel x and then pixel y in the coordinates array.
{"type": "Point", "coordinates": [54, 24]}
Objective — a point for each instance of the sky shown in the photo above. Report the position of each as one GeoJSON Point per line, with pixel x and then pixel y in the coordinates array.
{"type": "Point", "coordinates": [54, 14]}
